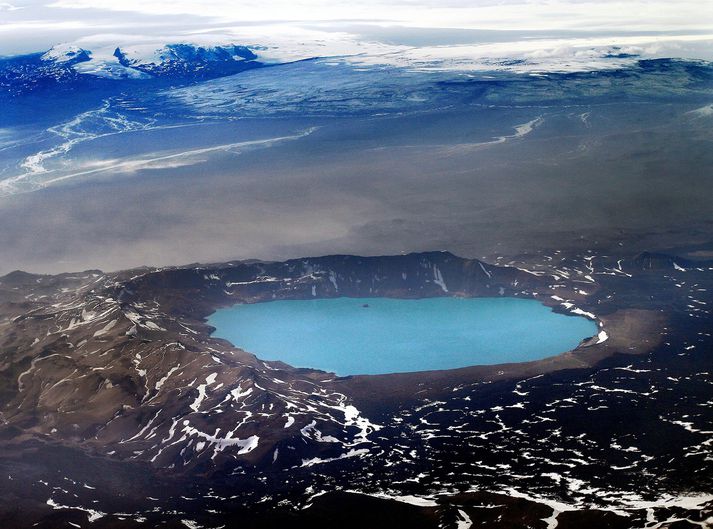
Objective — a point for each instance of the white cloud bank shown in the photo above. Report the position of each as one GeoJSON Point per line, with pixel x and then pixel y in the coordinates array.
{"type": "Point", "coordinates": [640, 15]}
{"type": "Point", "coordinates": [544, 33]}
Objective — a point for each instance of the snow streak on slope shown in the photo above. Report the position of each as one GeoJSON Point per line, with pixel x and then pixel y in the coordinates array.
{"type": "Point", "coordinates": [135, 380]}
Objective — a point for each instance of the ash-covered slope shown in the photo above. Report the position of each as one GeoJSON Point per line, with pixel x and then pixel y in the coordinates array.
{"type": "Point", "coordinates": [124, 365]}
{"type": "Point", "coordinates": [119, 409]}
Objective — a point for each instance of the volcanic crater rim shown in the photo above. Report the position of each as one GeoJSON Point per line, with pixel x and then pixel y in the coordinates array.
{"type": "Point", "coordinates": [507, 315]}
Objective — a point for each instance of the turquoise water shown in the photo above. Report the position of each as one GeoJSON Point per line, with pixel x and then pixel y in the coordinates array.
{"type": "Point", "coordinates": [399, 335]}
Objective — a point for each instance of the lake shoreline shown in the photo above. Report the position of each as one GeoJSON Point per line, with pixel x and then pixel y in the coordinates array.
{"type": "Point", "coordinates": [382, 335]}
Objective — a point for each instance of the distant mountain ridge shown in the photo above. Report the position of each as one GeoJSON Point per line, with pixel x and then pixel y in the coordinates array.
{"type": "Point", "coordinates": [66, 64]}
{"type": "Point", "coordinates": [187, 59]}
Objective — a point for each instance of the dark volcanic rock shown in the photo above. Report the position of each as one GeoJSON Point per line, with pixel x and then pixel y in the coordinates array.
{"type": "Point", "coordinates": [117, 406]}
{"type": "Point", "coordinates": [659, 261]}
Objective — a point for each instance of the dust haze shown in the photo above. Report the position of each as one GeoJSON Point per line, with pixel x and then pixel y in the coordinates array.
{"type": "Point", "coordinates": [606, 177]}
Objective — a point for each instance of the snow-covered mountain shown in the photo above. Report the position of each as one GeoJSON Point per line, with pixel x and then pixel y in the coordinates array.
{"type": "Point", "coordinates": [68, 63]}
{"type": "Point", "coordinates": [184, 60]}
{"type": "Point", "coordinates": [158, 59]}
{"type": "Point", "coordinates": [68, 54]}
{"type": "Point", "coordinates": [108, 60]}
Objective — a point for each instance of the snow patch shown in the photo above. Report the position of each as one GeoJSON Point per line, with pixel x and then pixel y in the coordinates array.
{"type": "Point", "coordinates": [320, 461]}
{"type": "Point", "coordinates": [202, 391]}
{"type": "Point", "coordinates": [92, 515]}
{"type": "Point", "coordinates": [464, 521]}
{"type": "Point", "coordinates": [438, 278]}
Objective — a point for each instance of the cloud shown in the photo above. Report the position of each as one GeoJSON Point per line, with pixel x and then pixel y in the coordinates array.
{"type": "Point", "coordinates": [647, 15]}
{"type": "Point", "coordinates": [295, 29]}
{"type": "Point", "coordinates": [526, 55]}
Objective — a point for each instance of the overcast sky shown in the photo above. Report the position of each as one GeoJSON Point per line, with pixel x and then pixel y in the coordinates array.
{"type": "Point", "coordinates": [32, 25]}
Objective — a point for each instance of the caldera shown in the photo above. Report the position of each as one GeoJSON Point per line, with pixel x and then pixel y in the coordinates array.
{"type": "Point", "coordinates": [358, 336]}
